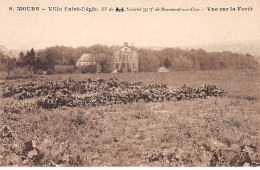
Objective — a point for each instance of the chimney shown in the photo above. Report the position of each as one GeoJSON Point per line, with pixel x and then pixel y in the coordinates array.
{"type": "Point", "coordinates": [125, 43]}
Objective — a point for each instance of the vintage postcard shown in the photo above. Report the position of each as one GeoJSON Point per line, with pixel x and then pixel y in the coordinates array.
{"type": "Point", "coordinates": [129, 83]}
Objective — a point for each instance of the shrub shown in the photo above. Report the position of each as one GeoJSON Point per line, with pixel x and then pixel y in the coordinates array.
{"type": "Point", "coordinates": [65, 69]}
{"type": "Point", "coordinates": [50, 71]}
{"type": "Point", "coordinates": [90, 69]}
{"type": "Point", "coordinates": [23, 71]}
{"type": "Point", "coordinates": [40, 72]}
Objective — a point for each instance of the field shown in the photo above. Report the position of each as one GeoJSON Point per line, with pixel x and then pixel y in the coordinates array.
{"type": "Point", "coordinates": [210, 131]}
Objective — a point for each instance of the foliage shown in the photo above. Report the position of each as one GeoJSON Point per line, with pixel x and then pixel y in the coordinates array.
{"type": "Point", "coordinates": [40, 72]}
{"type": "Point", "coordinates": [63, 69]}
{"type": "Point", "coordinates": [72, 62]}
{"type": "Point", "coordinates": [7, 64]}
{"type": "Point", "coordinates": [102, 92]}
{"type": "Point", "coordinates": [149, 61]}
{"type": "Point", "coordinates": [90, 69]}
{"type": "Point", "coordinates": [28, 60]}
{"type": "Point", "coordinates": [179, 59]}
{"type": "Point", "coordinates": [23, 71]}
{"type": "Point", "coordinates": [60, 55]}
{"type": "Point", "coordinates": [167, 63]}
{"type": "Point", "coordinates": [50, 71]}
{"type": "Point", "coordinates": [103, 56]}
{"type": "Point", "coordinates": [105, 61]}
{"type": "Point", "coordinates": [201, 132]}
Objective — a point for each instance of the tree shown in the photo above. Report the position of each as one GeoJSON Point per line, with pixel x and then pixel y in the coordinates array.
{"type": "Point", "coordinates": [28, 59]}
{"type": "Point", "coordinates": [167, 63]}
{"type": "Point", "coordinates": [105, 61]}
{"type": "Point", "coordinates": [8, 63]}
{"type": "Point", "coordinates": [49, 61]}
{"type": "Point", "coordinates": [148, 61]}
{"type": "Point", "coordinates": [72, 62]}
{"type": "Point", "coordinates": [38, 64]}
{"type": "Point", "coordinates": [21, 55]}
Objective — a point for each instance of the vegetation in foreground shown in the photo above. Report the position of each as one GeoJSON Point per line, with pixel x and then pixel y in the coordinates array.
{"type": "Point", "coordinates": [201, 132]}
{"type": "Point", "coordinates": [101, 92]}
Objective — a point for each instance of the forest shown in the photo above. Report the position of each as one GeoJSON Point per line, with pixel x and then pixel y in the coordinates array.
{"type": "Point", "coordinates": [62, 60]}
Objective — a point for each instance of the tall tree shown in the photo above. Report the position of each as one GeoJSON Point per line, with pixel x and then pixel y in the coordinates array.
{"type": "Point", "coordinates": [167, 63]}
{"type": "Point", "coordinates": [8, 63]}
{"type": "Point", "coordinates": [104, 60]}
{"type": "Point", "coordinates": [28, 59]}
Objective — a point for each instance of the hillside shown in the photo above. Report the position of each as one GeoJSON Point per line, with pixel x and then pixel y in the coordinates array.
{"type": "Point", "coordinates": [248, 46]}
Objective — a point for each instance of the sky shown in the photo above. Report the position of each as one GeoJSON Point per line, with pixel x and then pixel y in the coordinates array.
{"type": "Point", "coordinates": [41, 29]}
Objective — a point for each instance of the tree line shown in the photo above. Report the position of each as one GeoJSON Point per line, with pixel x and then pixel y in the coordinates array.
{"type": "Point", "coordinates": [175, 59]}
{"type": "Point", "coordinates": [184, 60]}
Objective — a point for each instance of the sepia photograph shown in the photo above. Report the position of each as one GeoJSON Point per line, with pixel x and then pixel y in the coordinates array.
{"type": "Point", "coordinates": [129, 83]}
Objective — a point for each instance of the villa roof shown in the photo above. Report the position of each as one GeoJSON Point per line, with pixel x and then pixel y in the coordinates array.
{"type": "Point", "coordinates": [85, 58]}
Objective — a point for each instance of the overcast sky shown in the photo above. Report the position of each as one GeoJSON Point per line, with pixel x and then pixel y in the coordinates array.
{"type": "Point", "coordinates": [24, 30]}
